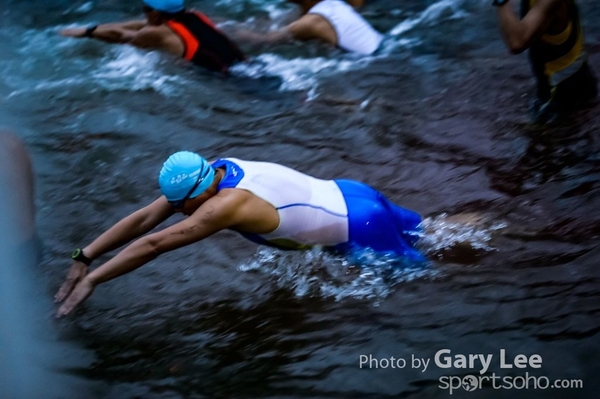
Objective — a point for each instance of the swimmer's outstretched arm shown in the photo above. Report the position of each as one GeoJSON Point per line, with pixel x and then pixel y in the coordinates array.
{"type": "Point", "coordinates": [127, 229]}
{"type": "Point", "coordinates": [117, 32]}
{"type": "Point", "coordinates": [138, 223]}
{"type": "Point", "coordinates": [211, 217]}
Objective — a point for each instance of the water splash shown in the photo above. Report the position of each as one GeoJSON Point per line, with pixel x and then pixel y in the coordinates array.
{"type": "Point", "coordinates": [366, 275]}
{"type": "Point", "coordinates": [128, 68]}
{"type": "Point", "coordinates": [297, 73]}
{"type": "Point", "coordinates": [305, 73]}
{"type": "Point", "coordinates": [121, 68]}
{"type": "Point", "coordinates": [435, 13]}
{"type": "Point", "coordinates": [236, 6]}
{"type": "Point", "coordinates": [85, 8]}
{"type": "Point", "coordinates": [131, 69]}
{"type": "Point", "coordinates": [445, 232]}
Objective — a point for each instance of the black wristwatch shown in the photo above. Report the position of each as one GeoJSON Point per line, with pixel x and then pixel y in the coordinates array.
{"type": "Point", "coordinates": [80, 257]}
{"type": "Point", "coordinates": [499, 3]}
{"type": "Point", "coordinates": [90, 30]}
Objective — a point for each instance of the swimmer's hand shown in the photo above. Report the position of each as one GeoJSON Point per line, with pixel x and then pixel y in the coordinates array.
{"type": "Point", "coordinates": [78, 295]}
{"type": "Point", "coordinates": [77, 272]}
{"type": "Point", "coordinates": [73, 32]}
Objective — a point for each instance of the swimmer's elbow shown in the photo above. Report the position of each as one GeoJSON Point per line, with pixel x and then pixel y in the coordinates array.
{"type": "Point", "coordinates": [517, 43]}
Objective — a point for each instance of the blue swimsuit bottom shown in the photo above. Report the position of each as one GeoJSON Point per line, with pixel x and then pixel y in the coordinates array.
{"type": "Point", "coordinates": [377, 223]}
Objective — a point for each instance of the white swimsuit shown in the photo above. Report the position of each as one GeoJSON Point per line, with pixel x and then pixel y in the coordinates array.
{"type": "Point", "coordinates": [354, 33]}
{"type": "Point", "coordinates": [311, 211]}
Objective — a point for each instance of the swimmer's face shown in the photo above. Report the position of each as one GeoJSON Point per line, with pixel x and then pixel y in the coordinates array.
{"type": "Point", "coordinates": [183, 207]}
{"type": "Point", "coordinates": [190, 206]}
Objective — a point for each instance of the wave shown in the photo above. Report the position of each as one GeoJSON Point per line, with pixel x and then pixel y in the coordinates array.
{"type": "Point", "coordinates": [75, 63]}
{"type": "Point", "coordinates": [443, 232]}
{"type": "Point", "coordinates": [295, 74]}
{"type": "Point", "coordinates": [434, 14]}
{"type": "Point", "coordinates": [305, 73]}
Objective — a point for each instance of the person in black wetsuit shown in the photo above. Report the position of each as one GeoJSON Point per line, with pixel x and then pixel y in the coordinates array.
{"type": "Point", "coordinates": [552, 31]}
{"type": "Point", "coordinates": [171, 28]}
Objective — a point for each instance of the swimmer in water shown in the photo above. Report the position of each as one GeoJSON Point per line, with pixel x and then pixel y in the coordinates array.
{"type": "Point", "coordinates": [266, 202]}
{"type": "Point", "coordinates": [330, 21]}
{"type": "Point", "coordinates": [170, 27]}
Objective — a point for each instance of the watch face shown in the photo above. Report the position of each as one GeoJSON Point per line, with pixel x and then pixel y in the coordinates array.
{"type": "Point", "coordinates": [76, 253]}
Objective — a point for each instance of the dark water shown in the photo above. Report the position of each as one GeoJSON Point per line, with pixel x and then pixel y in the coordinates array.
{"type": "Point", "coordinates": [438, 122]}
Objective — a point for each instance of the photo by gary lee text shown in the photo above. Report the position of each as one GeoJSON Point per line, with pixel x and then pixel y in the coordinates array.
{"type": "Point", "coordinates": [444, 359]}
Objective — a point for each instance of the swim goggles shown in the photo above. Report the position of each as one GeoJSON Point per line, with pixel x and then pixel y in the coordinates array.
{"type": "Point", "coordinates": [179, 204]}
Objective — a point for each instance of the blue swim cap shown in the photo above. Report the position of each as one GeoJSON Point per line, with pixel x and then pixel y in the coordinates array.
{"type": "Point", "coordinates": [181, 171]}
{"type": "Point", "coordinates": [170, 6]}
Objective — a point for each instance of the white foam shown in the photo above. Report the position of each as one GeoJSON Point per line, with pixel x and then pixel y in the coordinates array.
{"type": "Point", "coordinates": [305, 73]}
{"type": "Point", "coordinates": [296, 73]}
{"type": "Point", "coordinates": [276, 7]}
{"type": "Point", "coordinates": [442, 232]}
{"type": "Point", "coordinates": [122, 68]}
{"type": "Point", "coordinates": [435, 13]}
{"type": "Point", "coordinates": [135, 70]}
{"type": "Point", "coordinates": [316, 273]}
{"type": "Point", "coordinates": [85, 8]}
{"type": "Point", "coordinates": [127, 68]}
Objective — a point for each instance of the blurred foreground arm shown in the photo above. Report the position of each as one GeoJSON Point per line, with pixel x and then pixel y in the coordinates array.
{"type": "Point", "coordinates": [17, 183]}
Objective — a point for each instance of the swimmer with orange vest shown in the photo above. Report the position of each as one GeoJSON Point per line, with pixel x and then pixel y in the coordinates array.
{"type": "Point", "coordinates": [170, 27]}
